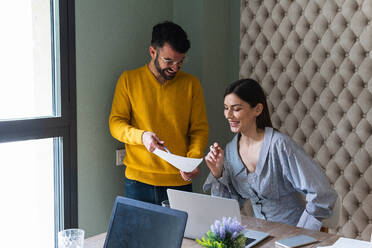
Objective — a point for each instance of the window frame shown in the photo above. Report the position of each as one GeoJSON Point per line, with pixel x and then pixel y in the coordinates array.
{"type": "Point", "coordinates": [64, 125]}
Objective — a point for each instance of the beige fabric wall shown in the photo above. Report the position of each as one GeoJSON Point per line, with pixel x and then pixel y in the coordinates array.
{"type": "Point", "coordinates": [314, 61]}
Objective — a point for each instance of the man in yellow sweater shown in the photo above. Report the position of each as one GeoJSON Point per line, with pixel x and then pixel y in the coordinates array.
{"type": "Point", "coordinates": [157, 106]}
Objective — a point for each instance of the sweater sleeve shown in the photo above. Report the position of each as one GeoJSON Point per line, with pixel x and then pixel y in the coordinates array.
{"type": "Point", "coordinates": [198, 130]}
{"type": "Point", "coordinates": [308, 178]}
{"type": "Point", "coordinates": [120, 117]}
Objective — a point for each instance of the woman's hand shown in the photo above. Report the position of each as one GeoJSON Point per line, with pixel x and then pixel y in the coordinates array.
{"type": "Point", "coordinates": [214, 160]}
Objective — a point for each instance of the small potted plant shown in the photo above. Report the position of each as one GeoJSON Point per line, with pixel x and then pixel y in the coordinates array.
{"type": "Point", "coordinates": [224, 234]}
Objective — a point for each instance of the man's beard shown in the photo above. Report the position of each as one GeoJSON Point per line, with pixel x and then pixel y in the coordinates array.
{"type": "Point", "coordinates": [162, 71]}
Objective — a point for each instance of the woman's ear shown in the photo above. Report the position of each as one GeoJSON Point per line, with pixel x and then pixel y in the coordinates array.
{"type": "Point", "coordinates": [258, 109]}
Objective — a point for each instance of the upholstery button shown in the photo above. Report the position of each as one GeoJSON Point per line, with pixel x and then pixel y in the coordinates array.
{"type": "Point", "coordinates": [369, 221]}
{"type": "Point", "coordinates": [327, 55]}
{"type": "Point", "coordinates": [338, 9]}
{"type": "Point", "coordinates": [341, 172]}
{"type": "Point", "coordinates": [346, 54]}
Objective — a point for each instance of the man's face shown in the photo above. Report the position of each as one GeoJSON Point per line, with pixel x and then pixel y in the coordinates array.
{"type": "Point", "coordinates": [168, 61]}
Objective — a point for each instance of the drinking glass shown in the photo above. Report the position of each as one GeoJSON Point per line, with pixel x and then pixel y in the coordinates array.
{"type": "Point", "coordinates": [71, 238]}
{"type": "Point", "coordinates": [165, 203]}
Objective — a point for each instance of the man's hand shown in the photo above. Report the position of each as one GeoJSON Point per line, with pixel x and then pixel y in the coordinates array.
{"type": "Point", "coordinates": [188, 176]}
{"type": "Point", "coordinates": [151, 141]}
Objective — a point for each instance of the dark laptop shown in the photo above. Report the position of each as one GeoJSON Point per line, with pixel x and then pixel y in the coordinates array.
{"type": "Point", "coordinates": [136, 224]}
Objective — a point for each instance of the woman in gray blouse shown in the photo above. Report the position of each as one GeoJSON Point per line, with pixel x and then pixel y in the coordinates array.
{"type": "Point", "coordinates": [266, 166]}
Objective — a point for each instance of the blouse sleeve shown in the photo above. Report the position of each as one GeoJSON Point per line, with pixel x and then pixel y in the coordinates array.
{"type": "Point", "coordinates": [222, 186]}
{"type": "Point", "coordinates": [308, 178]}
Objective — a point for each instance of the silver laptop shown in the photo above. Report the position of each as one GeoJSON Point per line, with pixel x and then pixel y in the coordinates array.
{"type": "Point", "coordinates": [202, 210]}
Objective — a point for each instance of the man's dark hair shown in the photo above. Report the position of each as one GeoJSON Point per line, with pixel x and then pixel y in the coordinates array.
{"type": "Point", "coordinates": [172, 34]}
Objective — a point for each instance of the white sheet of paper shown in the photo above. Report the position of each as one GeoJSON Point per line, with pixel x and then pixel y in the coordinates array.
{"type": "Point", "coordinates": [182, 163]}
{"type": "Point", "coordinates": [348, 243]}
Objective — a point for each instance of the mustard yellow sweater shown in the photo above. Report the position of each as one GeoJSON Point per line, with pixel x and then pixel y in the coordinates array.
{"type": "Point", "coordinates": [174, 110]}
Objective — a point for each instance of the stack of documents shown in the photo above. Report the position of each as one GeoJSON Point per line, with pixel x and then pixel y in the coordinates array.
{"type": "Point", "coordinates": [349, 243]}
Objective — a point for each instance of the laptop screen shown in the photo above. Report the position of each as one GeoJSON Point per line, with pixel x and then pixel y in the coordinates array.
{"type": "Point", "coordinates": [136, 224]}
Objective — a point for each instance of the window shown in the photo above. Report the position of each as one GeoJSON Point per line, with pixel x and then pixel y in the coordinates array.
{"type": "Point", "coordinates": [38, 171]}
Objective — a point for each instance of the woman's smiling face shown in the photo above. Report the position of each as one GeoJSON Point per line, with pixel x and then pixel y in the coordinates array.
{"type": "Point", "coordinates": [240, 115]}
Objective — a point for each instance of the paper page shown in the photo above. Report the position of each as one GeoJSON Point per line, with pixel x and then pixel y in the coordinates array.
{"type": "Point", "coordinates": [182, 163]}
{"type": "Point", "coordinates": [348, 243]}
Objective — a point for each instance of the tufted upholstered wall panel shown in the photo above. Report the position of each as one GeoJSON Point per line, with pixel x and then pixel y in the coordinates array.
{"type": "Point", "coordinates": [314, 61]}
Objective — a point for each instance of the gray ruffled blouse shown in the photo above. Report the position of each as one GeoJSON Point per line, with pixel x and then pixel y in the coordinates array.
{"type": "Point", "coordinates": [283, 172]}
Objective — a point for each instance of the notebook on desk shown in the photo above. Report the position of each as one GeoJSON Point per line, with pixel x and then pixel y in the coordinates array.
{"type": "Point", "coordinates": [204, 210]}
{"type": "Point", "coordinates": [140, 224]}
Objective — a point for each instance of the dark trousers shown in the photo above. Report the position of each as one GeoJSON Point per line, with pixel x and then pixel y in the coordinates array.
{"type": "Point", "coordinates": [149, 193]}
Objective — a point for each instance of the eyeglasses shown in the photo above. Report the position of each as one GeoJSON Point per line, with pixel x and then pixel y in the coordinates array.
{"type": "Point", "coordinates": [170, 62]}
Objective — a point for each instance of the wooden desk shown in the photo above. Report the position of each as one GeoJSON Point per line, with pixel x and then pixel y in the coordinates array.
{"type": "Point", "coordinates": [277, 231]}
